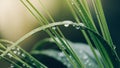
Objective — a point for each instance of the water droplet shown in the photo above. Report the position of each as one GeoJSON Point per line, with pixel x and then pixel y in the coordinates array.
{"type": "Point", "coordinates": [85, 57]}
{"type": "Point", "coordinates": [13, 48]}
{"type": "Point", "coordinates": [23, 65]}
{"type": "Point", "coordinates": [15, 52]}
{"type": "Point", "coordinates": [73, 25]}
{"type": "Point", "coordinates": [65, 63]}
{"type": "Point", "coordinates": [10, 55]}
{"type": "Point", "coordinates": [114, 46]}
{"type": "Point", "coordinates": [18, 53]}
{"type": "Point", "coordinates": [72, 3]}
{"type": "Point", "coordinates": [66, 25]}
{"type": "Point", "coordinates": [69, 65]}
{"type": "Point", "coordinates": [61, 54]}
{"type": "Point", "coordinates": [32, 59]}
{"type": "Point", "coordinates": [11, 66]}
{"type": "Point", "coordinates": [18, 49]}
{"type": "Point", "coordinates": [77, 27]}
{"type": "Point", "coordinates": [87, 61]}
{"type": "Point", "coordinates": [33, 64]}
{"type": "Point", "coordinates": [23, 55]}
{"type": "Point", "coordinates": [89, 64]}
{"type": "Point", "coordinates": [63, 48]}
{"type": "Point", "coordinates": [54, 28]}
{"type": "Point", "coordinates": [70, 56]}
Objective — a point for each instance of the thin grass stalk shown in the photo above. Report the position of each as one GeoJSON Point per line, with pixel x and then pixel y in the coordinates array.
{"type": "Point", "coordinates": [103, 22]}
{"type": "Point", "coordinates": [103, 25]}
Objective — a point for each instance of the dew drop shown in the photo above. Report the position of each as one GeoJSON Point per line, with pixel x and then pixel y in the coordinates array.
{"type": "Point", "coordinates": [70, 56]}
{"type": "Point", "coordinates": [11, 66]}
{"type": "Point", "coordinates": [114, 46]}
{"type": "Point", "coordinates": [87, 61]}
{"type": "Point", "coordinates": [33, 64]}
{"type": "Point", "coordinates": [61, 54]}
{"type": "Point", "coordinates": [18, 53]}
{"type": "Point", "coordinates": [66, 25]}
{"type": "Point", "coordinates": [13, 48]}
{"type": "Point", "coordinates": [65, 63]}
{"type": "Point", "coordinates": [85, 57]}
{"type": "Point", "coordinates": [89, 64]}
{"type": "Point", "coordinates": [15, 52]}
{"type": "Point", "coordinates": [18, 49]}
{"type": "Point", "coordinates": [10, 55]}
{"type": "Point", "coordinates": [77, 27]}
{"type": "Point", "coordinates": [23, 55]}
{"type": "Point", "coordinates": [72, 3]}
{"type": "Point", "coordinates": [73, 25]}
{"type": "Point", "coordinates": [23, 65]}
{"type": "Point", "coordinates": [54, 28]}
{"type": "Point", "coordinates": [32, 59]}
{"type": "Point", "coordinates": [69, 65]}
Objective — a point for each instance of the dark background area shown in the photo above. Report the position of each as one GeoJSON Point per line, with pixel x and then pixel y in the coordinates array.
{"type": "Point", "coordinates": [112, 13]}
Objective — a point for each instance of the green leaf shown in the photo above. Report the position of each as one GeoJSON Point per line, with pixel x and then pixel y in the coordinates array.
{"type": "Point", "coordinates": [83, 51]}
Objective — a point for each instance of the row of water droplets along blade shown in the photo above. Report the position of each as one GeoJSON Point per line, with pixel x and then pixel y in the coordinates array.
{"type": "Point", "coordinates": [16, 51]}
{"type": "Point", "coordinates": [68, 23]}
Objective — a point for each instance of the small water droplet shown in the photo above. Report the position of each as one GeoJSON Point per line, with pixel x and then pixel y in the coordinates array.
{"type": "Point", "coordinates": [33, 64]}
{"type": "Point", "coordinates": [11, 66]}
{"type": "Point", "coordinates": [85, 57]}
{"type": "Point", "coordinates": [15, 52]}
{"type": "Point", "coordinates": [23, 55]}
{"type": "Point", "coordinates": [18, 53]}
{"type": "Point", "coordinates": [66, 25]}
{"type": "Point", "coordinates": [72, 3]}
{"type": "Point", "coordinates": [53, 27]}
{"type": "Point", "coordinates": [10, 55]}
{"type": "Point", "coordinates": [18, 49]}
{"type": "Point", "coordinates": [13, 48]}
{"type": "Point", "coordinates": [70, 56]}
{"type": "Point", "coordinates": [23, 65]}
{"type": "Point", "coordinates": [73, 25]}
{"type": "Point", "coordinates": [89, 64]}
{"type": "Point", "coordinates": [87, 61]}
{"type": "Point", "coordinates": [114, 46]}
{"type": "Point", "coordinates": [32, 59]}
{"type": "Point", "coordinates": [65, 63]}
{"type": "Point", "coordinates": [61, 54]}
{"type": "Point", "coordinates": [77, 27]}
{"type": "Point", "coordinates": [69, 65]}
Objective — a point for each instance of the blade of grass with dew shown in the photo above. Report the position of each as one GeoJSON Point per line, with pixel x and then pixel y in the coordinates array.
{"type": "Point", "coordinates": [39, 29]}
{"type": "Point", "coordinates": [28, 64]}
{"type": "Point", "coordinates": [103, 25]}
{"type": "Point", "coordinates": [54, 32]}
{"type": "Point", "coordinates": [12, 55]}
{"type": "Point", "coordinates": [86, 37]}
{"type": "Point", "coordinates": [97, 42]}
{"type": "Point", "coordinates": [34, 31]}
